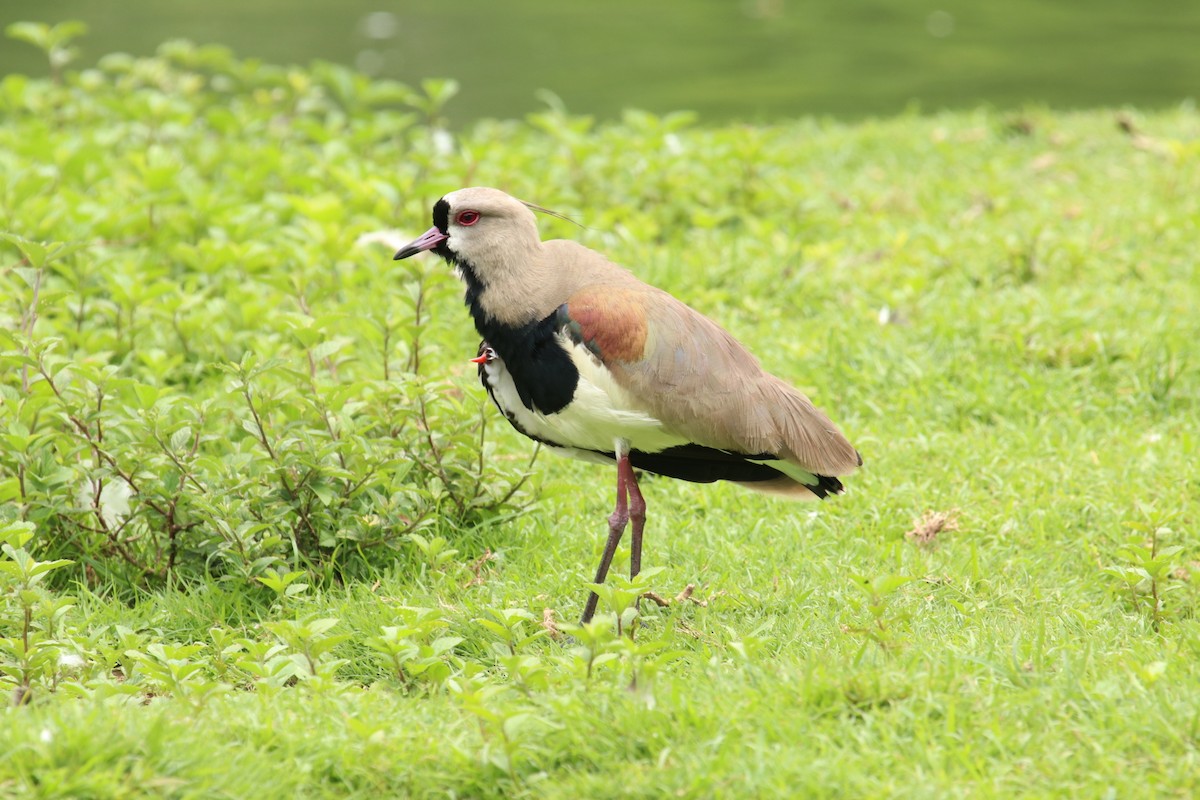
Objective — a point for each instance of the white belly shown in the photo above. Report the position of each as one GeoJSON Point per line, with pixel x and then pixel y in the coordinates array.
{"type": "Point", "coordinates": [600, 414]}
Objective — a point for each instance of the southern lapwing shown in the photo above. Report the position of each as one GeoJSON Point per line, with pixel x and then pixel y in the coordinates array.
{"type": "Point", "coordinates": [582, 356]}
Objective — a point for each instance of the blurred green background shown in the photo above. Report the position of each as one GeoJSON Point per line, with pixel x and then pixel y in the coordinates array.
{"type": "Point", "coordinates": [726, 59]}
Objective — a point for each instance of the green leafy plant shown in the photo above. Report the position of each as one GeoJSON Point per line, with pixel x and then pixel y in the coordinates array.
{"type": "Point", "coordinates": [1143, 570]}
{"type": "Point", "coordinates": [285, 585]}
{"type": "Point", "coordinates": [176, 670]}
{"type": "Point", "coordinates": [127, 472]}
{"type": "Point", "coordinates": [53, 40]}
{"type": "Point", "coordinates": [413, 651]}
{"type": "Point", "coordinates": [438, 555]}
{"type": "Point", "coordinates": [596, 643]}
{"type": "Point", "coordinates": [186, 393]}
{"type": "Point", "coordinates": [311, 645]}
{"type": "Point", "coordinates": [32, 654]}
{"type": "Point", "coordinates": [884, 624]}
{"type": "Point", "coordinates": [511, 625]}
{"type": "Point", "coordinates": [620, 596]}
{"type": "Point", "coordinates": [510, 732]}
{"type": "Point", "coordinates": [268, 663]}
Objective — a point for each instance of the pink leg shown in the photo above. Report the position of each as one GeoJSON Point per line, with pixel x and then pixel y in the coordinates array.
{"type": "Point", "coordinates": [616, 526]}
{"type": "Point", "coordinates": [637, 515]}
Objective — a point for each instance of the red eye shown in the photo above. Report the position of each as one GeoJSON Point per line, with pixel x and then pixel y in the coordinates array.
{"type": "Point", "coordinates": [468, 217]}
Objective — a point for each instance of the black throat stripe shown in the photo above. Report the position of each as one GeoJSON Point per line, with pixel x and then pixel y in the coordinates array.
{"type": "Point", "coordinates": [542, 371]}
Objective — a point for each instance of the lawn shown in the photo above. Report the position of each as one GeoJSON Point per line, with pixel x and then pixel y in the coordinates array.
{"type": "Point", "coordinates": [266, 538]}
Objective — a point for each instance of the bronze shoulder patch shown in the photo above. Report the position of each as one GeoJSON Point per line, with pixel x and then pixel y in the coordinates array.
{"type": "Point", "coordinates": [609, 321]}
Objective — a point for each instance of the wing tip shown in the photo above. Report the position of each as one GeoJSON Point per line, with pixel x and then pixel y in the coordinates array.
{"type": "Point", "coordinates": [787, 486]}
{"type": "Point", "coordinates": [827, 485]}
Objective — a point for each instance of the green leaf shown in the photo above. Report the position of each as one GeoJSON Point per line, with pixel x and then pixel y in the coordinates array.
{"type": "Point", "coordinates": [495, 627]}
{"type": "Point", "coordinates": [147, 395]}
{"type": "Point", "coordinates": [886, 584]}
{"type": "Point", "coordinates": [16, 533]}
{"type": "Point", "coordinates": [325, 492]}
{"type": "Point", "coordinates": [320, 626]}
{"type": "Point", "coordinates": [444, 643]}
{"type": "Point", "coordinates": [182, 438]}
{"type": "Point", "coordinates": [30, 275]}
{"type": "Point", "coordinates": [67, 30]}
{"type": "Point", "coordinates": [322, 351]}
{"type": "Point", "coordinates": [43, 567]}
{"type": "Point", "coordinates": [35, 33]}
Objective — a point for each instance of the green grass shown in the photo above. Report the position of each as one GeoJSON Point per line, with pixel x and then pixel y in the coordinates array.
{"type": "Point", "coordinates": [998, 309]}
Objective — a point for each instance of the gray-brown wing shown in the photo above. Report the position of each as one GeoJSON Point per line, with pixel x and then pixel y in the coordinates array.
{"type": "Point", "coordinates": [694, 376]}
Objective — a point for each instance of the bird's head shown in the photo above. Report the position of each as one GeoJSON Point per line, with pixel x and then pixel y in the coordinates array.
{"type": "Point", "coordinates": [480, 230]}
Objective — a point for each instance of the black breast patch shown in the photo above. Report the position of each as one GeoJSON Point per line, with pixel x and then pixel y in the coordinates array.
{"type": "Point", "coordinates": [541, 369]}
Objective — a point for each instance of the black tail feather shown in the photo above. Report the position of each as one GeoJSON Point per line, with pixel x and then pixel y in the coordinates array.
{"type": "Point", "coordinates": [699, 464]}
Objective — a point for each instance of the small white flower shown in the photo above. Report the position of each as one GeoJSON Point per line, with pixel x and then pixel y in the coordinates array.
{"type": "Point", "coordinates": [379, 25]}
{"type": "Point", "coordinates": [940, 24]}
{"type": "Point", "coordinates": [46, 736]}
{"type": "Point", "coordinates": [70, 661]}
{"type": "Point", "coordinates": [390, 239]}
{"type": "Point", "coordinates": [370, 62]}
{"type": "Point", "coordinates": [113, 502]}
{"type": "Point", "coordinates": [443, 142]}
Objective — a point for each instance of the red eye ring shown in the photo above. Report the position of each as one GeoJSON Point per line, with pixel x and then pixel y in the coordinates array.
{"type": "Point", "coordinates": [468, 217]}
